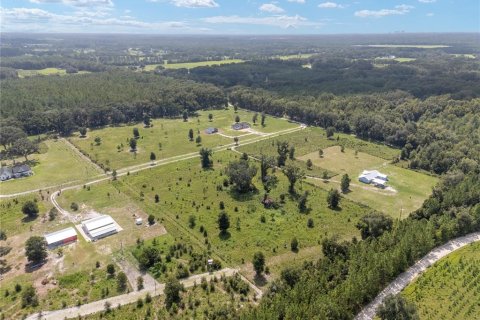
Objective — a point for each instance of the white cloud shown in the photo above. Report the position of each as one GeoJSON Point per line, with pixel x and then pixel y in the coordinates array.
{"type": "Point", "coordinates": [78, 3]}
{"type": "Point", "coordinates": [427, 1]}
{"type": "Point", "coordinates": [398, 10]}
{"type": "Point", "coordinates": [38, 20]}
{"type": "Point", "coordinates": [430, 14]}
{"type": "Point", "coordinates": [297, 1]}
{"type": "Point", "coordinates": [195, 3]}
{"type": "Point", "coordinates": [330, 5]}
{"type": "Point", "coordinates": [282, 21]}
{"type": "Point", "coordinates": [270, 7]}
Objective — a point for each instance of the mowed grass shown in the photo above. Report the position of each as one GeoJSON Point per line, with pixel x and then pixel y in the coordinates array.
{"type": "Point", "coordinates": [191, 65]}
{"type": "Point", "coordinates": [411, 188]}
{"type": "Point", "coordinates": [172, 134]}
{"type": "Point", "coordinates": [186, 190]}
{"type": "Point", "coordinates": [419, 46]}
{"type": "Point", "coordinates": [450, 289]}
{"type": "Point", "coordinates": [58, 164]}
{"type": "Point", "coordinates": [295, 56]}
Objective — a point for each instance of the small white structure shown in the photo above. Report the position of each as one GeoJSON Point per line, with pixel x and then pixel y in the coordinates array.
{"type": "Point", "coordinates": [61, 237]}
{"type": "Point", "coordinates": [373, 177]}
{"type": "Point", "coordinates": [138, 221]}
{"type": "Point", "coordinates": [99, 227]}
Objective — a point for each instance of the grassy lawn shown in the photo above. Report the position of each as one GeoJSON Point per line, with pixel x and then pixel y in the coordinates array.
{"type": "Point", "coordinates": [172, 134]}
{"type": "Point", "coordinates": [412, 188]}
{"type": "Point", "coordinates": [404, 59]}
{"type": "Point", "coordinates": [57, 164]}
{"type": "Point", "coordinates": [185, 189]}
{"type": "Point", "coordinates": [191, 65]}
{"type": "Point", "coordinates": [313, 139]}
{"type": "Point", "coordinates": [450, 288]}
{"type": "Point", "coordinates": [295, 56]}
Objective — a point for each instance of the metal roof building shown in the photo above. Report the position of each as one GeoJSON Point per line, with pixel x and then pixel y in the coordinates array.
{"type": "Point", "coordinates": [100, 227]}
{"type": "Point", "coordinates": [61, 237]}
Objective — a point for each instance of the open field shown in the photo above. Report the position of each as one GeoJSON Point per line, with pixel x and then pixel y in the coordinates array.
{"type": "Point", "coordinates": [186, 190]}
{"type": "Point", "coordinates": [295, 56]}
{"type": "Point", "coordinates": [313, 139]}
{"type": "Point", "coordinates": [450, 288]}
{"type": "Point", "coordinates": [404, 59]}
{"type": "Point", "coordinates": [419, 46]}
{"type": "Point", "coordinates": [410, 188]}
{"type": "Point", "coordinates": [44, 72]}
{"type": "Point", "coordinates": [172, 134]}
{"type": "Point", "coordinates": [191, 65]}
{"type": "Point", "coordinates": [464, 55]}
{"type": "Point", "coordinates": [58, 163]}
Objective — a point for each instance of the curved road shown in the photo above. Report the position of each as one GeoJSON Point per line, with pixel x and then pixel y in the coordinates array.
{"type": "Point", "coordinates": [408, 276]}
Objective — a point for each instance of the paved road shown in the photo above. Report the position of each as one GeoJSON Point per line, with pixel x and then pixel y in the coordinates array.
{"type": "Point", "coordinates": [408, 276]}
{"type": "Point", "coordinates": [123, 299]}
{"type": "Point", "coordinates": [148, 165]}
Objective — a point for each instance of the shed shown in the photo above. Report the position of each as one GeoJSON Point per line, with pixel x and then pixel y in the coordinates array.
{"type": "Point", "coordinates": [61, 237]}
{"type": "Point", "coordinates": [211, 130]}
{"type": "Point", "coordinates": [6, 173]}
{"type": "Point", "coordinates": [240, 125]}
{"type": "Point", "coordinates": [100, 227]}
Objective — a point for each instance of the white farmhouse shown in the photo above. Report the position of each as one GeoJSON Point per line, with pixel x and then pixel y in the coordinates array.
{"type": "Point", "coordinates": [373, 177]}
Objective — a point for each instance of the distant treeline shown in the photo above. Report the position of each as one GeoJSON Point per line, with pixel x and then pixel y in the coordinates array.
{"type": "Point", "coordinates": [342, 76]}
{"type": "Point", "coordinates": [62, 104]}
{"type": "Point", "coordinates": [435, 134]}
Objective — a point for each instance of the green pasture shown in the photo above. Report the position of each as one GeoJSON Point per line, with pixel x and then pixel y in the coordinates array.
{"type": "Point", "coordinates": [57, 164]}
{"type": "Point", "coordinates": [410, 188]}
{"type": "Point", "coordinates": [449, 289]}
{"type": "Point", "coordinates": [191, 65]}
{"type": "Point", "coordinates": [172, 134]}
{"type": "Point", "coordinates": [419, 46]}
{"type": "Point", "coordinates": [295, 56]}
{"type": "Point", "coordinates": [44, 72]}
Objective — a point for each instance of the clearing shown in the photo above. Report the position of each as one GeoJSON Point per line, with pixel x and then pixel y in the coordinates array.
{"type": "Point", "coordinates": [411, 188]}
{"type": "Point", "coordinates": [57, 163]}
{"type": "Point", "coordinates": [191, 65]}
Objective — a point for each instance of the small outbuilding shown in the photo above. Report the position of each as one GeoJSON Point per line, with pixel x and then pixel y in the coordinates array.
{"type": "Point", "coordinates": [240, 125]}
{"type": "Point", "coordinates": [99, 227]}
{"type": "Point", "coordinates": [211, 130]}
{"type": "Point", "coordinates": [6, 173]}
{"type": "Point", "coordinates": [61, 237]}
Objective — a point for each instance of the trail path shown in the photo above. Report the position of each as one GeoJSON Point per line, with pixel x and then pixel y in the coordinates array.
{"type": "Point", "coordinates": [124, 299]}
{"type": "Point", "coordinates": [408, 276]}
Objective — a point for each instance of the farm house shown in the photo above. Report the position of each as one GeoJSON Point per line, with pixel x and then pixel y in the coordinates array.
{"type": "Point", "coordinates": [99, 227]}
{"type": "Point", "coordinates": [373, 177]}
{"type": "Point", "coordinates": [61, 237]}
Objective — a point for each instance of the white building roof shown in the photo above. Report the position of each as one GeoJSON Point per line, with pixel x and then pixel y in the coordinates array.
{"type": "Point", "coordinates": [98, 222]}
{"type": "Point", "coordinates": [60, 235]}
{"type": "Point", "coordinates": [379, 181]}
{"type": "Point", "coordinates": [102, 231]}
{"type": "Point", "coordinates": [373, 174]}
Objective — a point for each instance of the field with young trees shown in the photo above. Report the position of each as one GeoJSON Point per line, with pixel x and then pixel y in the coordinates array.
{"type": "Point", "coordinates": [450, 289]}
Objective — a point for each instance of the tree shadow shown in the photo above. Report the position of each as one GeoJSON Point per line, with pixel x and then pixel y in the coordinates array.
{"type": "Point", "coordinates": [28, 218]}
{"type": "Point", "coordinates": [224, 235]}
{"type": "Point", "coordinates": [347, 191]}
{"type": "Point", "coordinates": [247, 196]}
{"type": "Point", "coordinates": [337, 209]}
{"type": "Point", "coordinates": [260, 280]}
{"type": "Point", "coordinates": [31, 266]}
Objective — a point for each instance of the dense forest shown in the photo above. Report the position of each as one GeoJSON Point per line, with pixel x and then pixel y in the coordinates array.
{"type": "Point", "coordinates": [62, 104]}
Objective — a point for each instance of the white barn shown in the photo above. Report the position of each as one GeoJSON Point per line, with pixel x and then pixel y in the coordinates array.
{"type": "Point", "coordinates": [373, 177]}
{"type": "Point", "coordinates": [99, 227]}
{"type": "Point", "coordinates": [60, 237]}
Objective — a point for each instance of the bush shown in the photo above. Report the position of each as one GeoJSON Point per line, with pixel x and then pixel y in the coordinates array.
{"type": "Point", "coordinates": [74, 206]}
{"type": "Point", "coordinates": [151, 219]}
{"type": "Point", "coordinates": [30, 208]}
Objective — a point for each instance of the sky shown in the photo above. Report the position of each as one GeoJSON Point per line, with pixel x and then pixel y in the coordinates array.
{"type": "Point", "coordinates": [239, 16]}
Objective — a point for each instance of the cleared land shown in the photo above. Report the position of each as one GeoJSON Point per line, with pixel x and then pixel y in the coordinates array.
{"type": "Point", "coordinates": [168, 137]}
{"type": "Point", "coordinates": [295, 56]}
{"type": "Point", "coordinates": [419, 46]}
{"type": "Point", "coordinates": [450, 288]}
{"type": "Point", "coordinates": [45, 72]}
{"type": "Point", "coordinates": [58, 163]}
{"type": "Point", "coordinates": [410, 188]}
{"type": "Point", "coordinates": [191, 65]}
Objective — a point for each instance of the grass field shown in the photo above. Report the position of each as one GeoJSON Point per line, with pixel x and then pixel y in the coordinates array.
{"type": "Point", "coordinates": [44, 72]}
{"type": "Point", "coordinates": [57, 164]}
{"type": "Point", "coordinates": [171, 133]}
{"type": "Point", "coordinates": [186, 190]}
{"type": "Point", "coordinates": [295, 56]}
{"type": "Point", "coordinates": [404, 59]}
{"type": "Point", "coordinates": [464, 55]}
{"type": "Point", "coordinates": [450, 289]}
{"type": "Point", "coordinates": [411, 188]}
{"type": "Point", "coordinates": [313, 138]}
{"type": "Point", "coordinates": [191, 65]}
